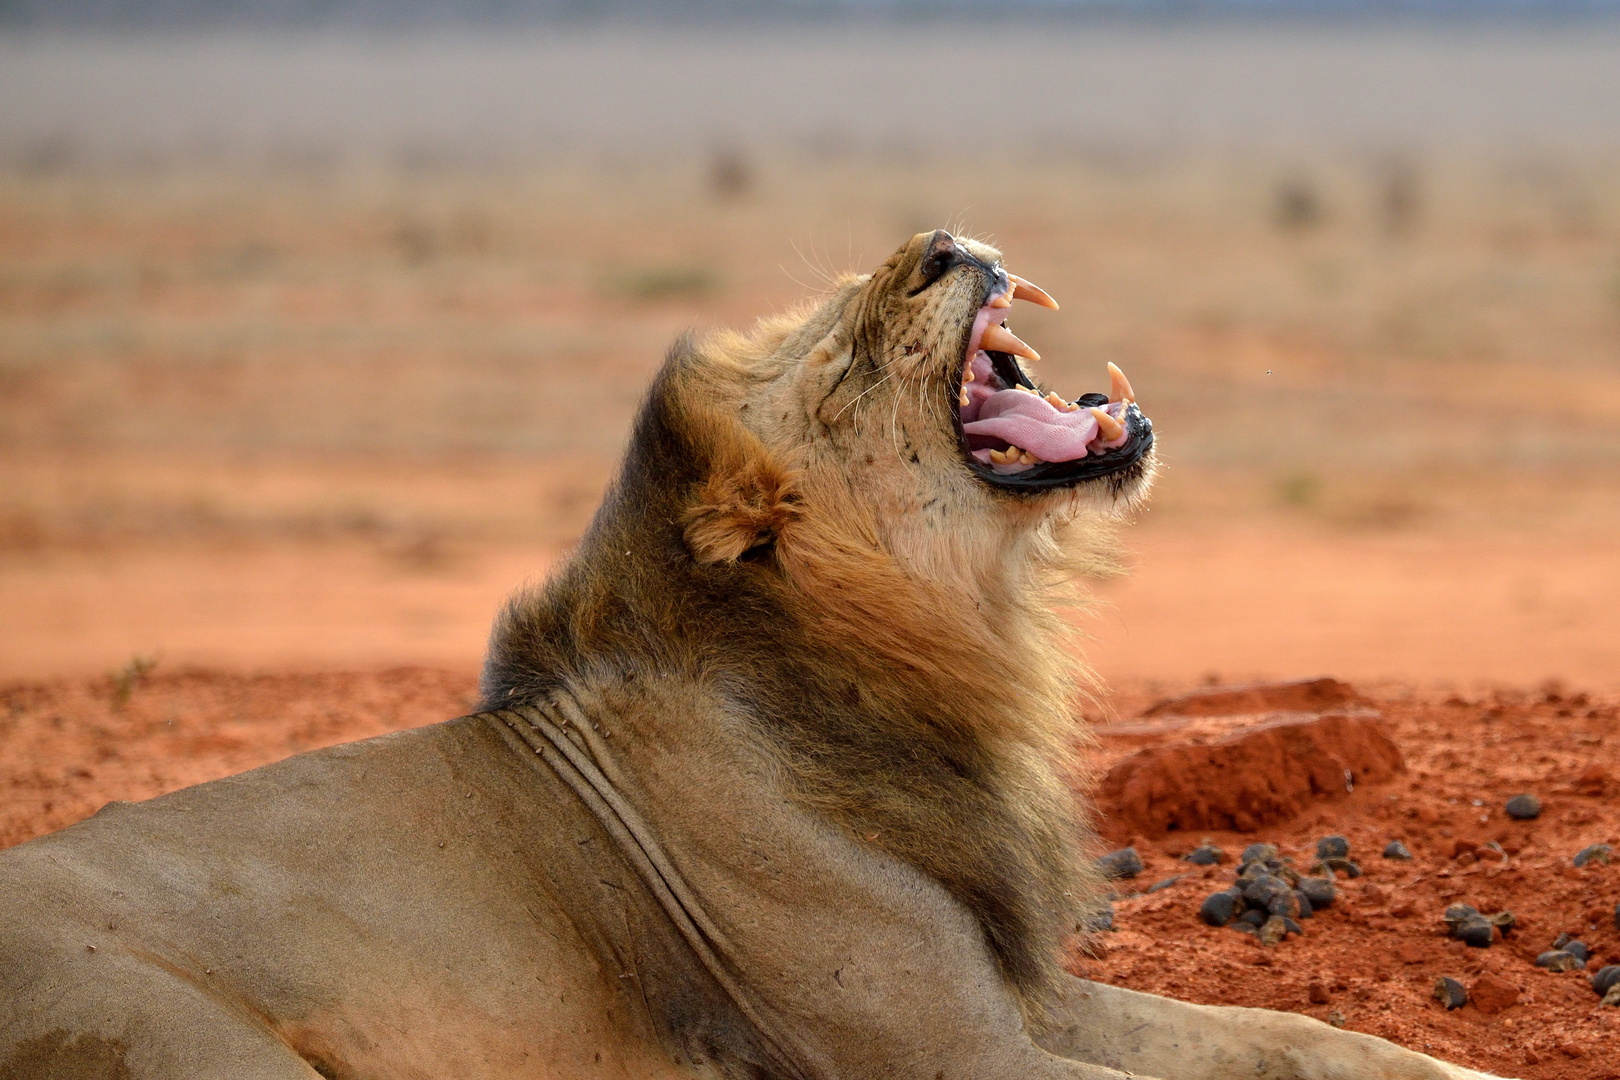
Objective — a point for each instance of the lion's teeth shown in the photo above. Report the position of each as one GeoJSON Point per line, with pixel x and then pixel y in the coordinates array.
{"type": "Point", "coordinates": [1000, 339]}
{"type": "Point", "coordinates": [1059, 404]}
{"type": "Point", "coordinates": [1027, 458]}
{"type": "Point", "coordinates": [1119, 387]}
{"type": "Point", "coordinates": [963, 398]}
{"type": "Point", "coordinates": [1008, 456]}
{"type": "Point", "coordinates": [967, 374]}
{"type": "Point", "coordinates": [1001, 300]}
{"type": "Point", "coordinates": [1023, 290]}
{"type": "Point", "coordinates": [1109, 428]}
{"type": "Point", "coordinates": [1027, 389]}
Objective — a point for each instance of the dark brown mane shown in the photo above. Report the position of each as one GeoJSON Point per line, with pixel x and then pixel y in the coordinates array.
{"type": "Point", "coordinates": [919, 723]}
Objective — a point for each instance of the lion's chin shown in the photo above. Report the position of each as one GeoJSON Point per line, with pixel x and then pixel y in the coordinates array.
{"type": "Point", "coordinates": [1018, 437]}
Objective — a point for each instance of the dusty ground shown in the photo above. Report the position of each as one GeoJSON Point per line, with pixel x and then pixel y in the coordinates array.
{"type": "Point", "coordinates": [68, 745]}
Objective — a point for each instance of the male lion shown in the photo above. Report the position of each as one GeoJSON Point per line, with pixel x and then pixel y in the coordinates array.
{"type": "Point", "coordinates": [768, 781]}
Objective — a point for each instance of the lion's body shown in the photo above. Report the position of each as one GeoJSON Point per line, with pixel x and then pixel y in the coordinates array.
{"type": "Point", "coordinates": [771, 782]}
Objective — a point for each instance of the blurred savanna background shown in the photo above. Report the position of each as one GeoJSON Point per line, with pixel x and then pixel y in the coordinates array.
{"type": "Point", "coordinates": [322, 326]}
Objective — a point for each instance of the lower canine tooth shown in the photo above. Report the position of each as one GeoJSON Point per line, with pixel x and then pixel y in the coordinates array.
{"type": "Point", "coordinates": [1119, 387]}
{"type": "Point", "coordinates": [1109, 428]}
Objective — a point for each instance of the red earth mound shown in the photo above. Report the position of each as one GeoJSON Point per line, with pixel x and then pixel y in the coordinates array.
{"type": "Point", "coordinates": [1262, 773]}
{"type": "Point", "coordinates": [1369, 961]}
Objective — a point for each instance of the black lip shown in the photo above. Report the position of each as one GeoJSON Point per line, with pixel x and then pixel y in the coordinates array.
{"type": "Point", "coordinates": [1121, 464]}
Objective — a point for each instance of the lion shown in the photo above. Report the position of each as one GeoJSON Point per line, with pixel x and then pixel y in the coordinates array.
{"type": "Point", "coordinates": [772, 778]}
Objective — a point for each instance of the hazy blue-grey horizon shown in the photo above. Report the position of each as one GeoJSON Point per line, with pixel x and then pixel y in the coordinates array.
{"type": "Point", "coordinates": [886, 87]}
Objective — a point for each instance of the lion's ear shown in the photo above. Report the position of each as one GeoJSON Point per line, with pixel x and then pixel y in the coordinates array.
{"type": "Point", "coordinates": [744, 503]}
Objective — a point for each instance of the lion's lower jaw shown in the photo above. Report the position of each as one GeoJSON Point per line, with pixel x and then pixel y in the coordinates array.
{"type": "Point", "coordinates": [1115, 498]}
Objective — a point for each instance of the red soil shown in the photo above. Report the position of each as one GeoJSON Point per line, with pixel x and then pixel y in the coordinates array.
{"type": "Point", "coordinates": [1373, 957]}
{"type": "Point", "coordinates": [69, 745]}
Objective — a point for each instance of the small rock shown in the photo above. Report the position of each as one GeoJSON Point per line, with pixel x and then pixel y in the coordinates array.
{"type": "Point", "coordinates": [1450, 993]}
{"type": "Point", "coordinates": [1243, 927]}
{"type": "Point", "coordinates": [1476, 933]}
{"type": "Point", "coordinates": [1157, 886]}
{"type": "Point", "coordinates": [1274, 930]}
{"type": "Point", "coordinates": [1221, 908]}
{"type": "Point", "coordinates": [1318, 993]}
{"type": "Point", "coordinates": [1319, 891]}
{"type": "Point", "coordinates": [1336, 1018]}
{"type": "Point", "coordinates": [1327, 867]}
{"type": "Point", "coordinates": [1491, 994]}
{"type": "Point", "coordinates": [1524, 808]}
{"type": "Point", "coordinates": [1559, 960]}
{"type": "Point", "coordinates": [1613, 996]}
{"type": "Point", "coordinates": [1293, 927]}
{"type": "Point", "coordinates": [1205, 855]}
{"type": "Point", "coordinates": [1396, 850]}
{"type": "Point", "coordinates": [1285, 904]}
{"type": "Point", "coordinates": [1457, 913]}
{"type": "Point", "coordinates": [1606, 979]}
{"type": "Point", "coordinates": [1332, 847]}
{"type": "Point", "coordinates": [1102, 919]}
{"type": "Point", "coordinates": [1617, 916]}
{"type": "Point", "coordinates": [1595, 853]}
{"type": "Point", "coordinates": [1578, 950]}
{"type": "Point", "coordinates": [1305, 908]}
{"type": "Point", "coordinates": [1503, 921]}
{"type": "Point", "coordinates": [1254, 917]}
{"type": "Point", "coordinates": [1261, 891]}
{"type": "Point", "coordinates": [1124, 863]}
{"type": "Point", "coordinates": [1257, 853]}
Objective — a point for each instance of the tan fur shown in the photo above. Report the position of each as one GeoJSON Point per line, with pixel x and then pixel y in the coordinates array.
{"type": "Point", "coordinates": [775, 779]}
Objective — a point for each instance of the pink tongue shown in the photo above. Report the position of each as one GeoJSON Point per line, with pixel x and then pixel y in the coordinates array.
{"type": "Point", "coordinates": [1030, 422]}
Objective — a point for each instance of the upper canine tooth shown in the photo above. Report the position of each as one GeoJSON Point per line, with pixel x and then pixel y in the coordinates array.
{"type": "Point", "coordinates": [1023, 290]}
{"type": "Point", "coordinates": [1109, 428]}
{"type": "Point", "coordinates": [1119, 387]}
{"type": "Point", "coordinates": [1000, 339]}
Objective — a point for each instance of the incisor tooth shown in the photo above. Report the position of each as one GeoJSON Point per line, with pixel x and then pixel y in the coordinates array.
{"type": "Point", "coordinates": [1001, 300]}
{"type": "Point", "coordinates": [967, 374]}
{"type": "Point", "coordinates": [1119, 387]}
{"type": "Point", "coordinates": [963, 398]}
{"type": "Point", "coordinates": [1055, 401]}
{"type": "Point", "coordinates": [1008, 456]}
{"type": "Point", "coordinates": [1023, 290]}
{"type": "Point", "coordinates": [1000, 339]}
{"type": "Point", "coordinates": [1027, 458]}
{"type": "Point", "coordinates": [1107, 427]}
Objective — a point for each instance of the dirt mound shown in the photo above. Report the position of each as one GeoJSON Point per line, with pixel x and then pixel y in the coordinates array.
{"type": "Point", "coordinates": [1302, 695]}
{"type": "Point", "coordinates": [1258, 775]}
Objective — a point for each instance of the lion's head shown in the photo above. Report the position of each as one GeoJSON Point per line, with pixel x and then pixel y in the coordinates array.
{"type": "Point", "coordinates": [908, 390]}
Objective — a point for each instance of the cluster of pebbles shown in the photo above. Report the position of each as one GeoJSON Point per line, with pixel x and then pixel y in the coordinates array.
{"type": "Point", "coordinates": [1270, 896]}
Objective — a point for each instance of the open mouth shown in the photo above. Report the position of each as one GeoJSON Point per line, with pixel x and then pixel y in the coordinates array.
{"type": "Point", "coordinates": [1017, 435]}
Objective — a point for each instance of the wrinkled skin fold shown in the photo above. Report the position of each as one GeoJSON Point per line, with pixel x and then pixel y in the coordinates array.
{"type": "Point", "coordinates": [771, 780]}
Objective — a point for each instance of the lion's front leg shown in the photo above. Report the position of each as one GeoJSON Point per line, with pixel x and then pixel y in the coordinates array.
{"type": "Point", "coordinates": [1142, 1033]}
